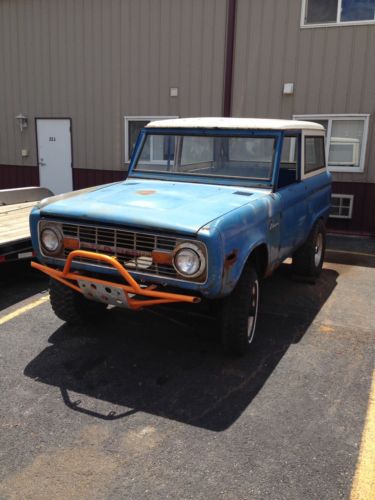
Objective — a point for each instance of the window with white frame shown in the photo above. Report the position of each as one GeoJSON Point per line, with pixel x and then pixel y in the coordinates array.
{"type": "Point", "coordinates": [346, 137]}
{"type": "Point", "coordinates": [341, 206]}
{"type": "Point", "coordinates": [334, 12]}
{"type": "Point", "coordinates": [132, 126]}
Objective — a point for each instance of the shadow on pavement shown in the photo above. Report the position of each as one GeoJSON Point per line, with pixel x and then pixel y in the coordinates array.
{"type": "Point", "coordinates": [170, 363]}
{"type": "Point", "coordinates": [18, 281]}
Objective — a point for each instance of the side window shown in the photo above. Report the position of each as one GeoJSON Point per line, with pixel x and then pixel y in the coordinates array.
{"type": "Point", "coordinates": [289, 152]}
{"type": "Point", "coordinates": [338, 11]}
{"type": "Point", "coordinates": [132, 126]}
{"type": "Point", "coordinates": [314, 154]}
{"type": "Point", "coordinates": [288, 171]}
{"type": "Point", "coordinates": [321, 11]}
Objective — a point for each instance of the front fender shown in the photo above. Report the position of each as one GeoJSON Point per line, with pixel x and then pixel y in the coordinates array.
{"type": "Point", "coordinates": [241, 232]}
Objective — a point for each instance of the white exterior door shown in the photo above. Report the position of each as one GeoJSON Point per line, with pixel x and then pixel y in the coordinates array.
{"type": "Point", "coordinates": [55, 154]}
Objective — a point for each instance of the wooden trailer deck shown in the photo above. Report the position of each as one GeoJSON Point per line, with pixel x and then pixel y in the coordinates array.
{"type": "Point", "coordinates": [14, 222]}
{"type": "Point", "coordinates": [15, 207]}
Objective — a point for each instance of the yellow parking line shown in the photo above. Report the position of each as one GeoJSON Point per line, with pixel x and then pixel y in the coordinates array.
{"type": "Point", "coordinates": [363, 487]}
{"type": "Point", "coordinates": [23, 309]}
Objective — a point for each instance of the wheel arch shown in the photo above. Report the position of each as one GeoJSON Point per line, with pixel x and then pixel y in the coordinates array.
{"type": "Point", "coordinates": [257, 255]}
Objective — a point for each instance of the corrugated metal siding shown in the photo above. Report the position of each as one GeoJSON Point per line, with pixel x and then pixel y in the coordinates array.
{"type": "Point", "coordinates": [332, 68]}
{"type": "Point", "coordinates": [99, 60]}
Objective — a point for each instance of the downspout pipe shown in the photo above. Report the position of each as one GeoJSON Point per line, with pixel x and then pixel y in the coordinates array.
{"type": "Point", "coordinates": [229, 56]}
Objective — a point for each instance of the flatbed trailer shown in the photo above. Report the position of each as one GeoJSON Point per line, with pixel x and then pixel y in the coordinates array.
{"type": "Point", "coordinates": [15, 208]}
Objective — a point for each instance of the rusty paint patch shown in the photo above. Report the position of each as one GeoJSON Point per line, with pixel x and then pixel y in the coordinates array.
{"type": "Point", "coordinates": [231, 258]}
{"type": "Point", "coordinates": [146, 192]}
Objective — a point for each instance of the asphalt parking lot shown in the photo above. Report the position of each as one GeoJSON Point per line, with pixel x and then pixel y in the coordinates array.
{"type": "Point", "coordinates": [147, 406]}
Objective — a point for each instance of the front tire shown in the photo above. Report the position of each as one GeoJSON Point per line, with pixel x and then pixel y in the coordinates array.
{"type": "Point", "coordinates": [72, 306]}
{"type": "Point", "coordinates": [239, 314]}
{"type": "Point", "coordinates": [308, 259]}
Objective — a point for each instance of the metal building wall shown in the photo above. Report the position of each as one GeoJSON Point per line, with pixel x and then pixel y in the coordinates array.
{"type": "Point", "coordinates": [99, 60]}
{"type": "Point", "coordinates": [333, 69]}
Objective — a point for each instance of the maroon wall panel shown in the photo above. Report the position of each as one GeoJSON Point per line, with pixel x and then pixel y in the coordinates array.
{"type": "Point", "coordinates": [363, 216]}
{"type": "Point", "coordinates": [13, 176]}
{"type": "Point", "coordinates": [84, 177]}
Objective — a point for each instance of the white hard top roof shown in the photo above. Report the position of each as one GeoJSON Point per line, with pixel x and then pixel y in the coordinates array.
{"type": "Point", "coordinates": [236, 123]}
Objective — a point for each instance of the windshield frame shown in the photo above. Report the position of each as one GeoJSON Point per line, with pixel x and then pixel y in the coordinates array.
{"type": "Point", "coordinates": [193, 178]}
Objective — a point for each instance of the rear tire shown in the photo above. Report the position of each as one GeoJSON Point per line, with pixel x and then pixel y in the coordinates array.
{"type": "Point", "coordinates": [308, 259]}
{"type": "Point", "coordinates": [239, 313]}
{"type": "Point", "coordinates": [72, 306]}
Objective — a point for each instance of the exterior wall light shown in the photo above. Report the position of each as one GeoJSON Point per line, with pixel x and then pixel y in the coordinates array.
{"type": "Point", "coordinates": [22, 121]}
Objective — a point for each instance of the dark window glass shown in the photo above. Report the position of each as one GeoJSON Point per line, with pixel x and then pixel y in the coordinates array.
{"type": "Point", "coordinates": [314, 154]}
{"type": "Point", "coordinates": [358, 10]}
{"type": "Point", "coordinates": [288, 172]}
{"type": "Point", "coordinates": [233, 157]}
{"type": "Point", "coordinates": [335, 210]}
{"type": "Point", "coordinates": [158, 153]}
{"type": "Point", "coordinates": [289, 151]}
{"type": "Point", "coordinates": [134, 129]}
{"type": "Point", "coordinates": [341, 207]}
{"type": "Point", "coordinates": [321, 11]}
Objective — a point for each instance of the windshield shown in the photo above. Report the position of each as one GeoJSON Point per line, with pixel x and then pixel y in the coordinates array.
{"type": "Point", "coordinates": [219, 156]}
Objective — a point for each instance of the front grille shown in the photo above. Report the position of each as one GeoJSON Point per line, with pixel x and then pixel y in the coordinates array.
{"type": "Point", "coordinates": [133, 249]}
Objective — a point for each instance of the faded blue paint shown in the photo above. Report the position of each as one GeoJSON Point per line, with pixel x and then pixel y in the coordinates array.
{"type": "Point", "coordinates": [174, 206]}
{"type": "Point", "coordinates": [231, 225]}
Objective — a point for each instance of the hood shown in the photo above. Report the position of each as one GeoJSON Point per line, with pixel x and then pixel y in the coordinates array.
{"type": "Point", "coordinates": [176, 206]}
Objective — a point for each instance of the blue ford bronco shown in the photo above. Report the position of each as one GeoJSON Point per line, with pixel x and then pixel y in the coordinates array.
{"type": "Point", "coordinates": [210, 207]}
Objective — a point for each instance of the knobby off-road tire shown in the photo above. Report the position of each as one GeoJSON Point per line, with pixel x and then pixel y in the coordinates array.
{"type": "Point", "coordinates": [73, 307]}
{"type": "Point", "coordinates": [308, 259]}
{"type": "Point", "coordinates": [239, 312]}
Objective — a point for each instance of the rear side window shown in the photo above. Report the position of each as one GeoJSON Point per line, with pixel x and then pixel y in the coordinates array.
{"type": "Point", "coordinates": [314, 154]}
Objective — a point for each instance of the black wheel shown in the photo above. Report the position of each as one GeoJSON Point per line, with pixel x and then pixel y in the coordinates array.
{"type": "Point", "coordinates": [239, 313]}
{"type": "Point", "coordinates": [72, 306]}
{"type": "Point", "coordinates": [308, 259]}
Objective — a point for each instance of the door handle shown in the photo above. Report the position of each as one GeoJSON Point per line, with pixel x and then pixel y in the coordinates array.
{"type": "Point", "coordinates": [41, 163]}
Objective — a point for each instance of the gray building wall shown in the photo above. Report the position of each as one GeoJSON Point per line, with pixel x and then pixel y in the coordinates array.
{"type": "Point", "coordinates": [333, 69]}
{"type": "Point", "coordinates": [99, 60]}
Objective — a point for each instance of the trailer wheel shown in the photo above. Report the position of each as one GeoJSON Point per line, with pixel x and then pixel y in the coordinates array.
{"type": "Point", "coordinates": [239, 313]}
{"type": "Point", "coordinates": [72, 306]}
{"type": "Point", "coordinates": [308, 259]}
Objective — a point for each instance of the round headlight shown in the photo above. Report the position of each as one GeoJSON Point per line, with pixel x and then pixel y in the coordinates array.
{"type": "Point", "coordinates": [189, 260]}
{"type": "Point", "coordinates": [50, 240]}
